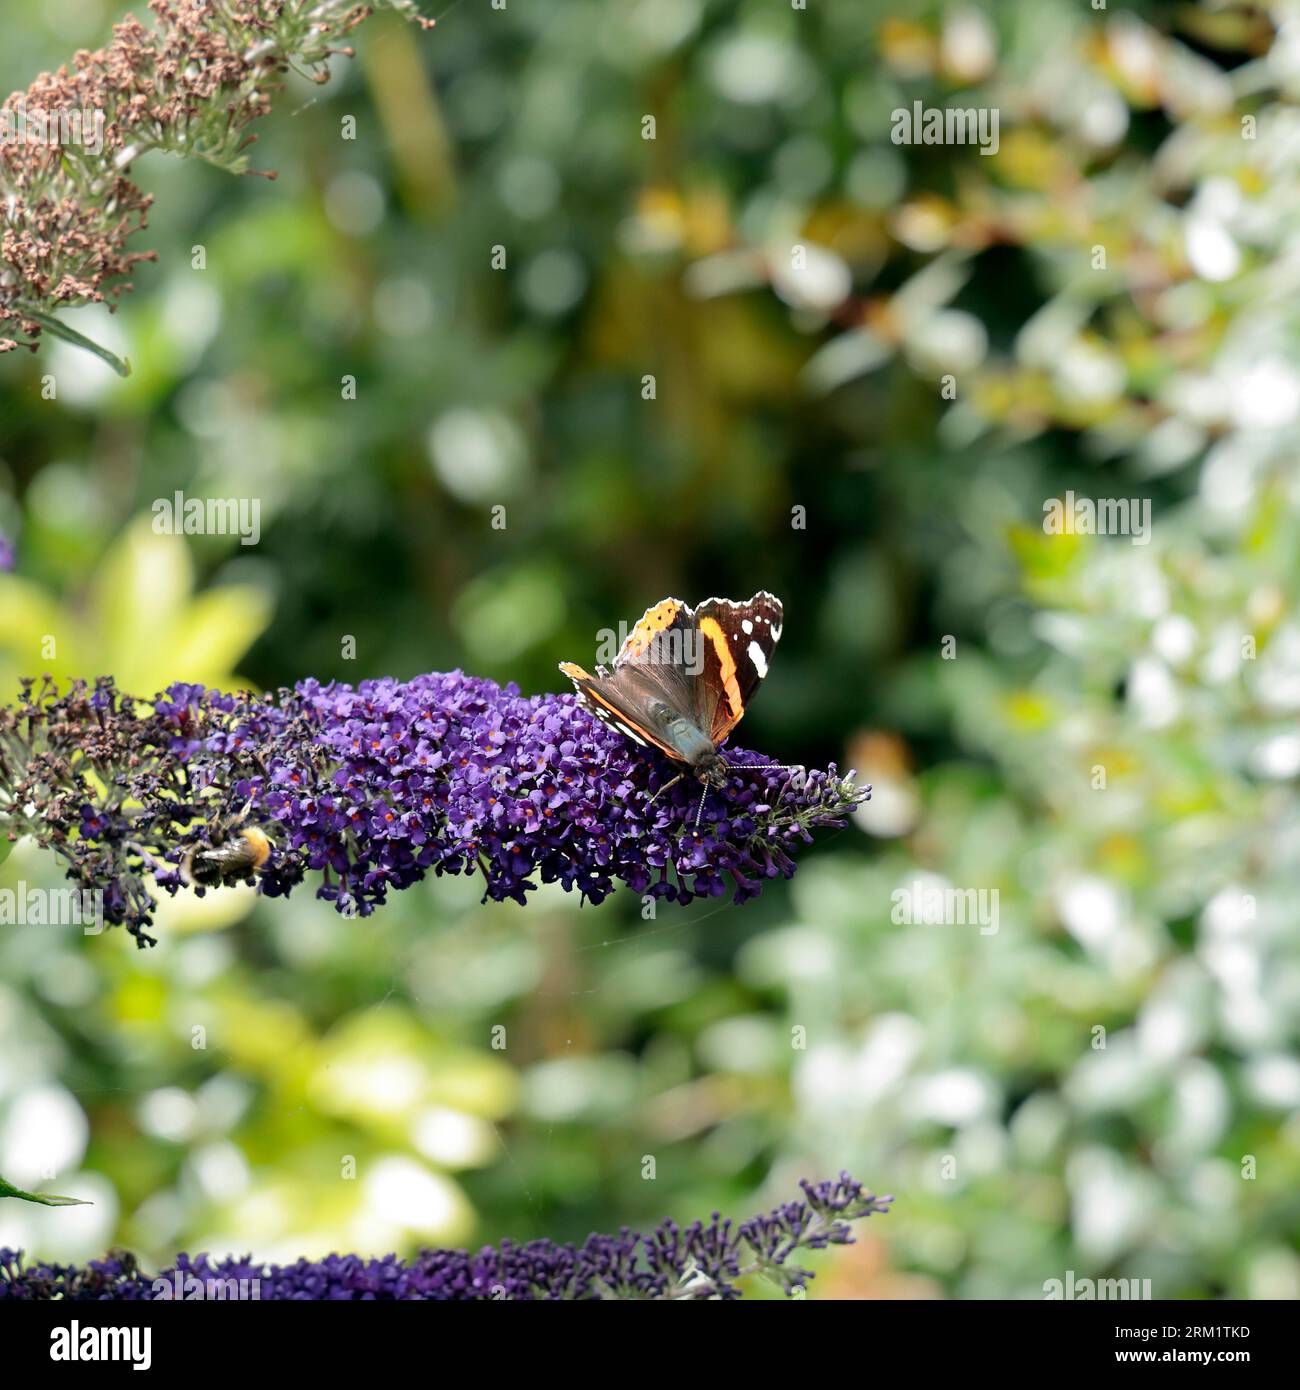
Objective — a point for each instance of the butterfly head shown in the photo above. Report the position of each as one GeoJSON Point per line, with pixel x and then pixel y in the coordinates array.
{"type": "Point", "coordinates": [712, 770]}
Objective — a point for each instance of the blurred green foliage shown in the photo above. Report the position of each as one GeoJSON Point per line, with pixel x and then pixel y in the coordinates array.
{"type": "Point", "coordinates": [344, 1089]}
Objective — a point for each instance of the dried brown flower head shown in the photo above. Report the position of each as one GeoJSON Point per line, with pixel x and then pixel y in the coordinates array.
{"type": "Point", "coordinates": [190, 84]}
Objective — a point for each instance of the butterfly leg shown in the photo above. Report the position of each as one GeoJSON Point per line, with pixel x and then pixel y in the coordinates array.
{"type": "Point", "coordinates": [663, 789]}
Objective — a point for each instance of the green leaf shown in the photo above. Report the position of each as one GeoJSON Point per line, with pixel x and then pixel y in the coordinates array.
{"type": "Point", "coordinates": [59, 329]}
{"type": "Point", "coordinates": [46, 1199]}
{"type": "Point", "coordinates": [220, 625]}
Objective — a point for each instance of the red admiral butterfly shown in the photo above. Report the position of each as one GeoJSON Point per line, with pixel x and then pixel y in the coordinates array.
{"type": "Point", "coordinates": [684, 677]}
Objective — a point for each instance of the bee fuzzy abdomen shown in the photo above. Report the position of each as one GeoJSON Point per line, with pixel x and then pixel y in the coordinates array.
{"type": "Point", "coordinates": [232, 861]}
{"type": "Point", "coordinates": [258, 845]}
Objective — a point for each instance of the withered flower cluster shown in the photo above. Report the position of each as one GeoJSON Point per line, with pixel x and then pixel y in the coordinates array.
{"type": "Point", "coordinates": [190, 84]}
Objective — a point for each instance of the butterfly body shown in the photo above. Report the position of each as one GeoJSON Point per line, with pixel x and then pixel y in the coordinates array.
{"type": "Point", "coordinates": [689, 743]}
{"type": "Point", "coordinates": [684, 678]}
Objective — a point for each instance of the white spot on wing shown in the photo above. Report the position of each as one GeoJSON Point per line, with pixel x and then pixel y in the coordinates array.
{"type": "Point", "coordinates": [748, 626]}
{"type": "Point", "coordinates": [759, 658]}
{"type": "Point", "coordinates": [631, 733]}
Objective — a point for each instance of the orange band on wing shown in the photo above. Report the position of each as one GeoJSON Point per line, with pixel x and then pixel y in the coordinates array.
{"type": "Point", "coordinates": [726, 666]}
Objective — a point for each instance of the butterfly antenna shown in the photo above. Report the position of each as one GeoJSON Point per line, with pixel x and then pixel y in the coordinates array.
{"type": "Point", "coordinates": [755, 767]}
{"type": "Point", "coordinates": [699, 815]}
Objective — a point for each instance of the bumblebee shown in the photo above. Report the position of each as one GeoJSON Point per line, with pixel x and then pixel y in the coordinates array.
{"type": "Point", "coordinates": [234, 854]}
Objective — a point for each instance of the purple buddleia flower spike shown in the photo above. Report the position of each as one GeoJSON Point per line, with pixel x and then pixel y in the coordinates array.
{"type": "Point", "coordinates": [374, 786]}
{"type": "Point", "coordinates": [703, 1261]}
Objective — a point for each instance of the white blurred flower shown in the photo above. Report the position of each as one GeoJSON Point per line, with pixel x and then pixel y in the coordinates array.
{"type": "Point", "coordinates": [1174, 639]}
{"type": "Point", "coordinates": [831, 1076]}
{"type": "Point", "coordinates": [968, 45]}
{"type": "Point", "coordinates": [1211, 251]}
{"type": "Point", "coordinates": [1230, 912]}
{"type": "Point", "coordinates": [1104, 118]}
{"type": "Point", "coordinates": [406, 1196]}
{"type": "Point", "coordinates": [1111, 1078]}
{"type": "Point", "coordinates": [1277, 758]}
{"type": "Point", "coordinates": [220, 1171]}
{"type": "Point", "coordinates": [948, 341]}
{"type": "Point", "coordinates": [1110, 1203]}
{"type": "Point", "coordinates": [958, 1097]}
{"type": "Point", "coordinates": [1275, 674]}
{"type": "Point", "coordinates": [894, 808]}
{"type": "Point", "coordinates": [1087, 372]}
{"type": "Point", "coordinates": [1200, 1113]}
{"type": "Point", "coordinates": [1091, 909]}
{"type": "Point", "coordinates": [1153, 693]}
{"type": "Point", "coordinates": [1172, 1022]}
{"type": "Point", "coordinates": [754, 69]}
{"type": "Point", "coordinates": [453, 1138]}
{"type": "Point", "coordinates": [43, 1132]}
{"type": "Point", "coordinates": [169, 1113]}
{"type": "Point", "coordinates": [1274, 1080]}
{"type": "Point", "coordinates": [808, 276]}
{"type": "Point", "coordinates": [1266, 395]}
{"type": "Point", "coordinates": [1274, 1274]}
{"type": "Point", "coordinates": [478, 454]}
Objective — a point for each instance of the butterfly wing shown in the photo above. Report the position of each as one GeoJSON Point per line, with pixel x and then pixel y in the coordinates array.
{"type": "Point", "coordinates": [737, 641]}
{"type": "Point", "coordinates": [619, 698]}
{"type": "Point", "coordinates": [650, 669]}
{"type": "Point", "coordinates": [651, 640]}
{"type": "Point", "coordinates": [704, 664]}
